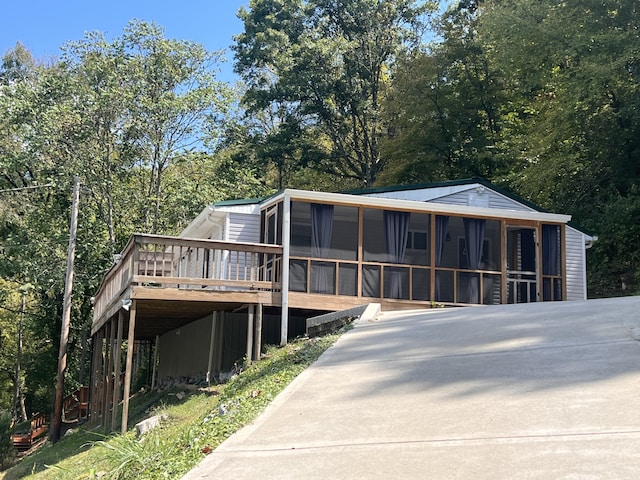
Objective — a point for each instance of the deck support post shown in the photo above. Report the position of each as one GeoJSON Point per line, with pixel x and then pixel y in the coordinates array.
{"type": "Point", "coordinates": [116, 371]}
{"type": "Point", "coordinates": [219, 342]}
{"type": "Point", "coordinates": [128, 367]}
{"type": "Point", "coordinates": [250, 318]}
{"type": "Point", "coordinates": [284, 276]}
{"type": "Point", "coordinates": [106, 395]}
{"type": "Point", "coordinates": [257, 348]}
{"type": "Point", "coordinates": [212, 343]}
{"type": "Point", "coordinates": [156, 354]}
{"type": "Point", "coordinates": [96, 358]}
{"type": "Point", "coordinates": [99, 373]}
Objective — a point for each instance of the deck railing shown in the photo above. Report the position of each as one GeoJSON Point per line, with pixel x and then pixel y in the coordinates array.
{"type": "Point", "coordinates": [184, 263]}
{"type": "Point", "coordinates": [341, 277]}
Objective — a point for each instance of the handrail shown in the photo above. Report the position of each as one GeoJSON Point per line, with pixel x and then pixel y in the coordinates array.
{"type": "Point", "coordinates": [189, 263]}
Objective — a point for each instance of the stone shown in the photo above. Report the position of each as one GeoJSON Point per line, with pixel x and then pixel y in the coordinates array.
{"type": "Point", "coordinates": [150, 423]}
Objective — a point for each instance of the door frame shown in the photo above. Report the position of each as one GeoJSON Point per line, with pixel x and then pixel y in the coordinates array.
{"type": "Point", "coordinates": [510, 274]}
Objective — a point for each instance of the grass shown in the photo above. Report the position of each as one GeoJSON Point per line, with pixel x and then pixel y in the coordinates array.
{"type": "Point", "coordinates": [196, 425]}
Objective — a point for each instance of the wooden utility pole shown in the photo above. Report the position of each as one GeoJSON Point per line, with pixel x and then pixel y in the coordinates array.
{"type": "Point", "coordinates": [54, 435]}
{"type": "Point", "coordinates": [18, 397]}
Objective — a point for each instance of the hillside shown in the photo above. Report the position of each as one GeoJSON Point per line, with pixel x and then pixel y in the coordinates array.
{"type": "Point", "coordinates": [198, 421]}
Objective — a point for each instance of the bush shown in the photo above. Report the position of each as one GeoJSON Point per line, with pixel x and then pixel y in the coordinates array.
{"type": "Point", "coordinates": [7, 452]}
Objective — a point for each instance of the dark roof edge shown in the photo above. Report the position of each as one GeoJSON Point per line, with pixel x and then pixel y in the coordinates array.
{"type": "Point", "coordinates": [451, 183]}
{"type": "Point", "coordinates": [238, 202]}
{"type": "Point", "coordinates": [467, 181]}
{"type": "Point", "coordinates": [582, 229]}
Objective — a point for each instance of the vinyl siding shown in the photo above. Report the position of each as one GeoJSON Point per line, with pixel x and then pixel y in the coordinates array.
{"type": "Point", "coordinates": [488, 199]}
{"type": "Point", "coordinates": [243, 228]}
{"type": "Point", "coordinates": [471, 195]}
{"type": "Point", "coordinates": [240, 227]}
{"type": "Point", "coordinates": [575, 264]}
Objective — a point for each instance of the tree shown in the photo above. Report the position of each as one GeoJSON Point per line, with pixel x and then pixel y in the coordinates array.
{"type": "Point", "coordinates": [176, 105]}
{"type": "Point", "coordinates": [325, 65]}
{"type": "Point", "coordinates": [119, 114]}
{"type": "Point", "coordinates": [14, 320]}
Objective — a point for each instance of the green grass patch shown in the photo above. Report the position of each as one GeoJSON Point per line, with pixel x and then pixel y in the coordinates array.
{"type": "Point", "coordinates": [195, 425]}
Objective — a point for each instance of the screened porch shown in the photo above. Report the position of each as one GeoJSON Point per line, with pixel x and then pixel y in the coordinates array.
{"type": "Point", "coordinates": [425, 258]}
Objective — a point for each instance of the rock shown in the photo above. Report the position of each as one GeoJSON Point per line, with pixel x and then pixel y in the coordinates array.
{"type": "Point", "coordinates": [150, 423]}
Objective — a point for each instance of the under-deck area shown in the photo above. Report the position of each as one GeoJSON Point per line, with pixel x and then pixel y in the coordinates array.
{"type": "Point", "coordinates": [160, 284]}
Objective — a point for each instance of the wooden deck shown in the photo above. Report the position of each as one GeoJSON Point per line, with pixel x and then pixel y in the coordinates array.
{"type": "Point", "coordinates": [177, 280]}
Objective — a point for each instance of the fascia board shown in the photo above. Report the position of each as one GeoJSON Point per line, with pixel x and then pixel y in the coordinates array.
{"type": "Point", "coordinates": [427, 207]}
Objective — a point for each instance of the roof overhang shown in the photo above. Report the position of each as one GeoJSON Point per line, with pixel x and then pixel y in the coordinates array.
{"type": "Point", "coordinates": [216, 214]}
{"type": "Point", "coordinates": [411, 205]}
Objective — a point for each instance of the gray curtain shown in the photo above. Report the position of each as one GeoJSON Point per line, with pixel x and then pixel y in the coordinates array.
{"type": "Point", "coordinates": [396, 233]}
{"type": "Point", "coordinates": [550, 257]}
{"type": "Point", "coordinates": [321, 230]}
{"type": "Point", "coordinates": [551, 261]}
{"type": "Point", "coordinates": [442, 222]}
{"type": "Point", "coordinates": [474, 238]}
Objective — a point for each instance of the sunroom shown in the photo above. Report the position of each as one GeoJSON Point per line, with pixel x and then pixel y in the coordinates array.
{"type": "Point", "coordinates": [343, 251]}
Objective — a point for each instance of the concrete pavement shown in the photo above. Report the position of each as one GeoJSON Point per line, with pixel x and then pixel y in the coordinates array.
{"type": "Point", "coordinates": [545, 391]}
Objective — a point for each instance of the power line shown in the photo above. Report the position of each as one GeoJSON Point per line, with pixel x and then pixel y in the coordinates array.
{"type": "Point", "coordinates": [19, 189]}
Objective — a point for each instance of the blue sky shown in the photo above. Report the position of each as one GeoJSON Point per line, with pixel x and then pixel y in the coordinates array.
{"type": "Point", "coordinates": [44, 26]}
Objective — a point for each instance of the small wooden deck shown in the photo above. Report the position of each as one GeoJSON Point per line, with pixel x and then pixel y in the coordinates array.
{"type": "Point", "coordinates": [177, 280]}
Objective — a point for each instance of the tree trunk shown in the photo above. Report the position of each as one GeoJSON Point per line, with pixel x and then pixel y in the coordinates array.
{"type": "Point", "coordinates": [18, 398]}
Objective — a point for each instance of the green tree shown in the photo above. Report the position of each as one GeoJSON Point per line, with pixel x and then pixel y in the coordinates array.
{"type": "Point", "coordinates": [176, 104]}
{"type": "Point", "coordinates": [324, 65]}
{"type": "Point", "coordinates": [133, 118]}
{"type": "Point", "coordinates": [572, 72]}
{"type": "Point", "coordinates": [445, 107]}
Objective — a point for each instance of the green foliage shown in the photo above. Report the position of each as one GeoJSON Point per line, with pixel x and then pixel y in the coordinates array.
{"type": "Point", "coordinates": [572, 122]}
{"type": "Point", "coordinates": [123, 115]}
{"type": "Point", "coordinates": [445, 109]}
{"type": "Point", "coordinates": [614, 260]}
{"type": "Point", "coordinates": [194, 426]}
{"type": "Point", "coordinates": [322, 68]}
{"type": "Point", "coordinates": [7, 452]}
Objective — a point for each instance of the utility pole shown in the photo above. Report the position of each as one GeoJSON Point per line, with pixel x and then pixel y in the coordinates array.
{"type": "Point", "coordinates": [18, 397]}
{"type": "Point", "coordinates": [56, 429]}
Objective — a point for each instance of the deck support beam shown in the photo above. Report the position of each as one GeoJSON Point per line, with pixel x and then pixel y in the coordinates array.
{"type": "Point", "coordinates": [106, 394]}
{"type": "Point", "coordinates": [250, 326]}
{"type": "Point", "coordinates": [156, 355]}
{"type": "Point", "coordinates": [284, 284]}
{"type": "Point", "coordinates": [128, 367]}
{"type": "Point", "coordinates": [219, 342]}
{"type": "Point", "coordinates": [96, 373]}
{"type": "Point", "coordinates": [117, 371]}
{"type": "Point", "coordinates": [257, 347]}
{"type": "Point", "coordinates": [212, 344]}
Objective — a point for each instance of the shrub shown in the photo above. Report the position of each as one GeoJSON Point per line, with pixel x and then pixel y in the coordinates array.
{"type": "Point", "coordinates": [7, 452]}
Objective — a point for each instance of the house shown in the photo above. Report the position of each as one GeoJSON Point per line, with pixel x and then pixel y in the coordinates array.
{"type": "Point", "coordinates": [249, 272]}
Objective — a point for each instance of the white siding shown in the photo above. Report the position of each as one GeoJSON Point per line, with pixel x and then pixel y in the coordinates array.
{"type": "Point", "coordinates": [420, 194]}
{"type": "Point", "coordinates": [242, 227]}
{"type": "Point", "coordinates": [495, 200]}
{"type": "Point", "coordinates": [575, 264]}
{"type": "Point", "coordinates": [473, 194]}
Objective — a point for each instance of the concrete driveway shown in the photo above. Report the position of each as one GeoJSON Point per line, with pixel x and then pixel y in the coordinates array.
{"type": "Point", "coordinates": [543, 391]}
